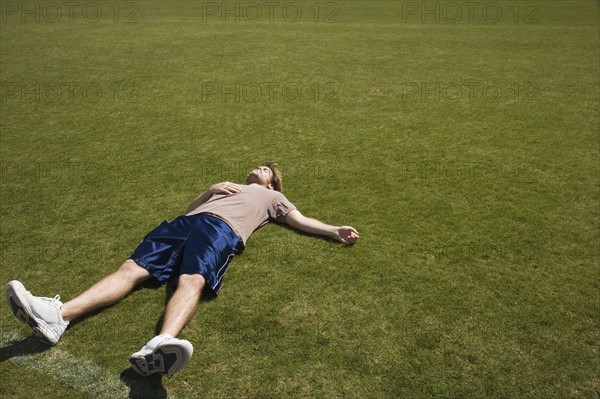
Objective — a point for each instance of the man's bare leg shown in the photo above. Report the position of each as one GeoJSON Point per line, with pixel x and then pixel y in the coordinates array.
{"type": "Point", "coordinates": [107, 291]}
{"type": "Point", "coordinates": [165, 354]}
{"type": "Point", "coordinates": [183, 304]}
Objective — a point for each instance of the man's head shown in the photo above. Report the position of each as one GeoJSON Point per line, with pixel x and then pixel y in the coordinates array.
{"type": "Point", "coordinates": [267, 175]}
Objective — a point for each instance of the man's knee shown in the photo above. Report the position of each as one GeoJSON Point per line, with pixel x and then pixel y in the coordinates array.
{"type": "Point", "coordinates": [193, 282]}
{"type": "Point", "coordinates": [132, 271]}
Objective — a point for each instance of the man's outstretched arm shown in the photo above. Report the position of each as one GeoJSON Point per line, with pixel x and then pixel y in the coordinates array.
{"type": "Point", "coordinates": [345, 234]}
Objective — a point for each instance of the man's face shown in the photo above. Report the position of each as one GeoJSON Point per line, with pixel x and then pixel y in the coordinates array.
{"type": "Point", "coordinates": [261, 175]}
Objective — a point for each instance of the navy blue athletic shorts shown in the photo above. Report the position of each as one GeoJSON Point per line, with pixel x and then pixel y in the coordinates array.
{"type": "Point", "coordinates": [198, 244]}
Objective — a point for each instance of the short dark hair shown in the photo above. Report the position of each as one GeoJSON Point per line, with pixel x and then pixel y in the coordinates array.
{"type": "Point", "coordinates": [276, 180]}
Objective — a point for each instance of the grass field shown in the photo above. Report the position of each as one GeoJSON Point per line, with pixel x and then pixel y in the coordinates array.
{"type": "Point", "coordinates": [461, 140]}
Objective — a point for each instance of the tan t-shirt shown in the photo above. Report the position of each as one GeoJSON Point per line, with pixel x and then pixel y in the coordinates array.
{"type": "Point", "coordinates": [247, 210]}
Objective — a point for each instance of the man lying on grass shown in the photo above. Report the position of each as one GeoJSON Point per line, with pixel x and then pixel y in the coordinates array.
{"type": "Point", "coordinates": [193, 251]}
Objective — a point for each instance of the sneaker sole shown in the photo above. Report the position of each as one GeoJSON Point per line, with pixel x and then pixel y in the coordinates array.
{"type": "Point", "coordinates": [15, 295]}
{"type": "Point", "coordinates": [166, 359]}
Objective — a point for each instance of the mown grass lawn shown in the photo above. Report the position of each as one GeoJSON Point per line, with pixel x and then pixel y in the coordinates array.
{"type": "Point", "coordinates": [463, 148]}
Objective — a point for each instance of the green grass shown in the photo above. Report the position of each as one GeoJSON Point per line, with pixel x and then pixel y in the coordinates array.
{"type": "Point", "coordinates": [476, 275]}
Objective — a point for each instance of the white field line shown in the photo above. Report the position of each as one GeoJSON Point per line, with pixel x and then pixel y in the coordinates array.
{"type": "Point", "coordinates": [75, 372]}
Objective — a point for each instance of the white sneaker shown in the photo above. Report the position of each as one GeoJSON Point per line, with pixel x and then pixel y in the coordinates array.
{"type": "Point", "coordinates": [41, 314]}
{"type": "Point", "coordinates": [163, 354]}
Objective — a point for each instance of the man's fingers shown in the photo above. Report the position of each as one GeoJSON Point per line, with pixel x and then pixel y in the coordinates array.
{"type": "Point", "coordinates": [348, 234]}
{"type": "Point", "coordinates": [228, 188]}
{"type": "Point", "coordinates": [351, 230]}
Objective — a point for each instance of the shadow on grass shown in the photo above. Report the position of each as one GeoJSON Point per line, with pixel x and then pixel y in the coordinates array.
{"type": "Point", "coordinates": [170, 287]}
{"type": "Point", "coordinates": [143, 387]}
{"type": "Point", "coordinates": [24, 347]}
{"type": "Point", "coordinates": [149, 284]}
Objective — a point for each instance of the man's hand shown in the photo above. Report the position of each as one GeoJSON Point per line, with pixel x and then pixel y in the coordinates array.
{"type": "Point", "coordinates": [224, 188]}
{"type": "Point", "coordinates": [346, 234]}
{"type": "Point", "coordinates": [219, 188]}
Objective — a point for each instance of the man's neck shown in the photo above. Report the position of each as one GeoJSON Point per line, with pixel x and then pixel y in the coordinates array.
{"type": "Point", "coordinates": [257, 185]}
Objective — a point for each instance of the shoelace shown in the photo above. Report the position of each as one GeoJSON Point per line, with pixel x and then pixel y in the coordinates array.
{"type": "Point", "coordinates": [53, 301]}
{"type": "Point", "coordinates": [57, 304]}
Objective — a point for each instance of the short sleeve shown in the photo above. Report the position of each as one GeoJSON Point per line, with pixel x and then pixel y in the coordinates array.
{"type": "Point", "coordinates": [279, 208]}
